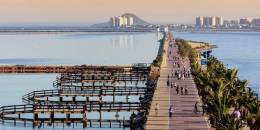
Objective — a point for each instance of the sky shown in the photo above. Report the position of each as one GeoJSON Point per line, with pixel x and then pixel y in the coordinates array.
{"type": "Point", "coordinates": [94, 11]}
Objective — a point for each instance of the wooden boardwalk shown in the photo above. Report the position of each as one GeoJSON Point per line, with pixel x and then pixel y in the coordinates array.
{"type": "Point", "coordinates": [184, 117]}
{"type": "Point", "coordinates": [160, 121]}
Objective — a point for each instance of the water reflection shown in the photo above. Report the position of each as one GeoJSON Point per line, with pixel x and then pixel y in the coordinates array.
{"type": "Point", "coordinates": [123, 41]}
{"type": "Point", "coordinates": [159, 35]}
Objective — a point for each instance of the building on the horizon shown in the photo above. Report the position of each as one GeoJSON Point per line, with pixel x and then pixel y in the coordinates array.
{"type": "Point", "coordinates": [122, 21]}
{"type": "Point", "coordinates": [219, 21]}
{"type": "Point", "coordinates": [199, 21]}
{"type": "Point", "coordinates": [256, 22]}
{"type": "Point", "coordinates": [206, 21]}
{"type": "Point", "coordinates": [245, 21]}
{"type": "Point", "coordinates": [213, 21]}
{"type": "Point", "coordinates": [130, 21]}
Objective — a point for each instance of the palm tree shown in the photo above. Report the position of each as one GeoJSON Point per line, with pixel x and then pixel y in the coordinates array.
{"type": "Point", "coordinates": [221, 90]}
{"type": "Point", "coordinates": [253, 117]}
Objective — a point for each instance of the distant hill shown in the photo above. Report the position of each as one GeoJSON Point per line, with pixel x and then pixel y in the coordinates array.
{"type": "Point", "coordinates": [137, 21]}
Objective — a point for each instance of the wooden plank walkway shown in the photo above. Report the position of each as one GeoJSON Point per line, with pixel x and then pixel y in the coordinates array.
{"type": "Point", "coordinates": [160, 121]}
{"type": "Point", "coordinates": [184, 117]}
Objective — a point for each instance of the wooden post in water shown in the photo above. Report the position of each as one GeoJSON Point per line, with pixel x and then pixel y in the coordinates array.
{"type": "Point", "coordinates": [35, 117]}
{"type": "Point", "coordinates": [74, 99]}
{"type": "Point", "coordinates": [52, 118]}
{"type": "Point", "coordinates": [114, 89]}
{"type": "Point", "coordinates": [67, 116]}
{"type": "Point", "coordinates": [67, 119]}
{"type": "Point", "coordinates": [84, 116]}
{"type": "Point", "coordinates": [100, 106]}
{"type": "Point", "coordinates": [61, 99]}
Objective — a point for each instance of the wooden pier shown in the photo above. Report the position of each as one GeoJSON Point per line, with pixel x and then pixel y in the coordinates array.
{"type": "Point", "coordinates": [73, 95]}
{"type": "Point", "coordinates": [58, 69]}
{"type": "Point", "coordinates": [160, 120]}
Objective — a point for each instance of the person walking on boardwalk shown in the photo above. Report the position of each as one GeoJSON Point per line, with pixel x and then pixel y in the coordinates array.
{"type": "Point", "coordinates": [179, 76]}
{"type": "Point", "coordinates": [186, 90]}
{"type": "Point", "coordinates": [196, 108]}
{"type": "Point", "coordinates": [156, 109]}
{"type": "Point", "coordinates": [177, 90]}
{"type": "Point", "coordinates": [175, 85]}
{"type": "Point", "coordinates": [170, 111]}
{"type": "Point", "coordinates": [181, 90]}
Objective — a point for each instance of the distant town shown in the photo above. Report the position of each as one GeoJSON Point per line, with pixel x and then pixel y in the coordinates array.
{"type": "Point", "coordinates": [201, 22]}
{"type": "Point", "coordinates": [129, 22]}
{"type": "Point", "coordinates": [217, 23]}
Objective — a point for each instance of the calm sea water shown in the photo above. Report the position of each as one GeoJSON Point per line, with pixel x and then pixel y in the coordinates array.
{"type": "Point", "coordinates": [69, 49]}
{"type": "Point", "coordinates": [237, 50]}
{"type": "Point", "coordinates": [119, 49]}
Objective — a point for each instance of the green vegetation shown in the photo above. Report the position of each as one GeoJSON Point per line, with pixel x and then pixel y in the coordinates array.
{"type": "Point", "coordinates": [158, 60]}
{"type": "Point", "coordinates": [185, 50]}
{"type": "Point", "coordinates": [223, 92]}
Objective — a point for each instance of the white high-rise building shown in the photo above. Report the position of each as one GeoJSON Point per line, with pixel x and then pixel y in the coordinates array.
{"type": "Point", "coordinates": [206, 21]}
{"type": "Point", "coordinates": [219, 21]}
{"type": "Point", "coordinates": [120, 21]}
{"type": "Point", "coordinates": [199, 21]}
{"type": "Point", "coordinates": [113, 21]}
{"type": "Point", "coordinates": [124, 21]}
{"type": "Point", "coordinates": [212, 21]}
{"type": "Point", "coordinates": [130, 21]}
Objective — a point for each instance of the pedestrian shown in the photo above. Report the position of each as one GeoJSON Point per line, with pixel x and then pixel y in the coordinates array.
{"type": "Point", "coordinates": [196, 108]}
{"type": "Point", "coordinates": [170, 111]}
{"type": "Point", "coordinates": [156, 109]}
{"type": "Point", "coordinates": [182, 77]}
{"type": "Point", "coordinates": [181, 90]}
{"type": "Point", "coordinates": [179, 76]}
{"type": "Point", "coordinates": [177, 90]}
{"type": "Point", "coordinates": [175, 85]}
{"type": "Point", "coordinates": [186, 90]}
{"type": "Point", "coordinates": [168, 83]}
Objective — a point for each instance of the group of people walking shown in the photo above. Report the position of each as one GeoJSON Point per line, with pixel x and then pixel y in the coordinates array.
{"type": "Point", "coordinates": [179, 89]}
{"type": "Point", "coordinates": [179, 71]}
